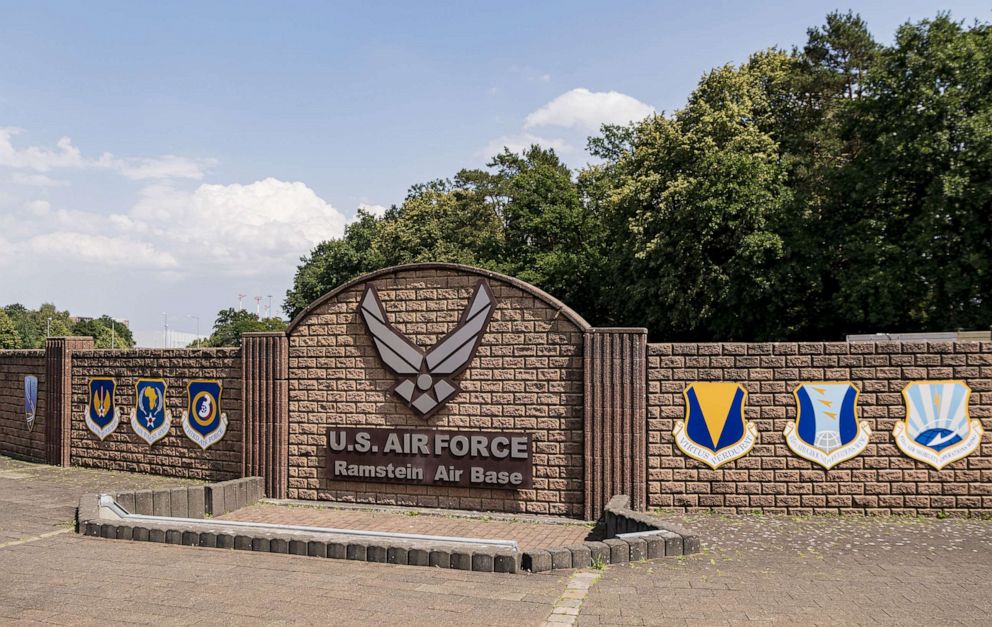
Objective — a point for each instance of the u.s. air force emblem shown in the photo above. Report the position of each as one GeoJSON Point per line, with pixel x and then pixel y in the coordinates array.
{"type": "Point", "coordinates": [827, 430]}
{"type": "Point", "coordinates": [426, 377]}
{"type": "Point", "coordinates": [203, 421]}
{"type": "Point", "coordinates": [714, 431]}
{"type": "Point", "coordinates": [937, 429]}
{"type": "Point", "coordinates": [102, 414]}
{"type": "Point", "coordinates": [149, 418]}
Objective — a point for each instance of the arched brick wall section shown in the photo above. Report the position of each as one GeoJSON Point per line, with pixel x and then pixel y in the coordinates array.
{"type": "Point", "coordinates": [527, 376]}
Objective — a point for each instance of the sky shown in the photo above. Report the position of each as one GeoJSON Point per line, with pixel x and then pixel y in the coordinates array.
{"type": "Point", "coordinates": [157, 159]}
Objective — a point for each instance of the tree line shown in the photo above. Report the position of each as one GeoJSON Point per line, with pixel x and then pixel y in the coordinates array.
{"type": "Point", "coordinates": [844, 186]}
{"type": "Point", "coordinates": [21, 327]}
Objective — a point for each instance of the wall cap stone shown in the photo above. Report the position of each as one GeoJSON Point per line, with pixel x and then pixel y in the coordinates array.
{"type": "Point", "coordinates": [538, 293]}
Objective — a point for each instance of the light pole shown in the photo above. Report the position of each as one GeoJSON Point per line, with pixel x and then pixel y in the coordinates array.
{"type": "Point", "coordinates": [197, 318]}
{"type": "Point", "coordinates": [113, 334]}
{"type": "Point", "coordinates": [48, 328]}
{"type": "Point", "coordinates": [165, 329]}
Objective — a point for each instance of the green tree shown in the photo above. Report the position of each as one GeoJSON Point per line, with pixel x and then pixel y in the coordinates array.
{"type": "Point", "coordinates": [231, 323]}
{"type": "Point", "coordinates": [105, 331]}
{"type": "Point", "coordinates": [917, 234]}
{"type": "Point", "coordinates": [9, 338]}
{"type": "Point", "coordinates": [698, 198]}
{"type": "Point", "coordinates": [334, 262]}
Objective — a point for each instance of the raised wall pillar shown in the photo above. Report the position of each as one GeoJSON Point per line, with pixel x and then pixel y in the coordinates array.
{"type": "Point", "coordinates": [265, 408]}
{"type": "Point", "coordinates": [615, 418]}
{"type": "Point", "coordinates": [58, 395]}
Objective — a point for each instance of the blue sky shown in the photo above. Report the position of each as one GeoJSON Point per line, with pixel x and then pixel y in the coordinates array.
{"type": "Point", "coordinates": [164, 157]}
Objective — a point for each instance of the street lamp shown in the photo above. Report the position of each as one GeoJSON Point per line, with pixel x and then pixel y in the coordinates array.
{"type": "Point", "coordinates": [48, 328]}
{"type": "Point", "coordinates": [197, 318]}
{"type": "Point", "coordinates": [165, 328]}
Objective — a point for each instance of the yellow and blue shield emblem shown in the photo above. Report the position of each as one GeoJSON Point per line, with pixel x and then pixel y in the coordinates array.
{"type": "Point", "coordinates": [937, 429]}
{"type": "Point", "coordinates": [102, 414]}
{"type": "Point", "coordinates": [149, 418]}
{"type": "Point", "coordinates": [827, 431]}
{"type": "Point", "coordinates": [203, 421]}
{"type": "Point", "coordinates": [714, 430]}
{"type": "Point", "coordinates": [30, 399]}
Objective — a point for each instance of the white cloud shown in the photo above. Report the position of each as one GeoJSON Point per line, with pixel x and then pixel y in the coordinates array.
{"type": "Point", "coordinates": [36, 180]}
{"type": "Point", "coordinates": [584, 109]}
{"type": "Point", "coordinates": [262, 228]}
{"type": "Point", "coordinates": [165, 167]}
{"type": "Point", "coordinates": [65, 155]}
{"type": "Point", "coordinates": [520, 142]}
{"type": "Point", "coordinates": [74, 248]}
{"type": "Point", "coordinates": [237, 229]}
{"type": "Point", "coordinates": [376, 210]}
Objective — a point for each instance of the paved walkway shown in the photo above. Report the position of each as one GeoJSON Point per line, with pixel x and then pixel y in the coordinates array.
{"type": "Point", "coordinates": [529, 535]}
{"type": "Point", "coordinates": [773, 570]}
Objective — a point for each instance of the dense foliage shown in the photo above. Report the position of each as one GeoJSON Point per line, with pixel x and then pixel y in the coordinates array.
{"type": "Point", "coordinates": [21, 327]}
{"type": "Point", "coordinates": [843, 187]}
{"type": "Point", "coordinates": [231, 323]}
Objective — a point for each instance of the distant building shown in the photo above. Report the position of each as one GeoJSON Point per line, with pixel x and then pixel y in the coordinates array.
{"type": "Point", "coordinates": [945, 336]}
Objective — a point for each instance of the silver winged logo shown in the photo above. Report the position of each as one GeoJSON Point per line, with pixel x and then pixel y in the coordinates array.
{"type": "Point", "coordinates": [425, 382]}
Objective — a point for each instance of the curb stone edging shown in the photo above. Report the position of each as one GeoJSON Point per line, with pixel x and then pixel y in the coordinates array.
{"type": "Point", "coordinates": [631, 536]}
{"type": "Point", "coordinates": [202, 502]}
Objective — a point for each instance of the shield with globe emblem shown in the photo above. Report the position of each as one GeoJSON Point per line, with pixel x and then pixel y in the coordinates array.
{"type": "Point", "coordinates": [938, 429]}
{"type": "Point", "coordinates": [149, 418]}
{"type": "Point", "coordinates": [827, 430]}
{"type": "Point", "coordinates": [203, 421]}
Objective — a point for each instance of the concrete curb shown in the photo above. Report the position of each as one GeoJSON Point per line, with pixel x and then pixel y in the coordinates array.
{"type": "Point", "coordinates": [631, 536]}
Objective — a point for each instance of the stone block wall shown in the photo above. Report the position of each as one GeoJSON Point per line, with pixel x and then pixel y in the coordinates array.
{"type": "Point", "coordinates": [15, 439]}
{"type": "Point", "coordinates": [527, 376]}
{"type": "Point", "coordinates": [771, 478]}
{"type": "Point", "coordinates": [174, 455]}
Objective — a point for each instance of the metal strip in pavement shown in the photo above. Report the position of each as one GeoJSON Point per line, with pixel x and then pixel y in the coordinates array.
{"type": "Point", "coordinates": [107, 501]}
{"type": "Point", "coordinates": [34, 538]}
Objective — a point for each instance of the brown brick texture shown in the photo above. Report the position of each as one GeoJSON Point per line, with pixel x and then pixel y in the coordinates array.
{"type": "Point", "coordinates": [15, 439]}
{"type": "Point", "coordinates": [771, 477]}
{"type": "Point", "coordinates": [526, 376]}
{"type": "Point", "coordinates": [175, 455]}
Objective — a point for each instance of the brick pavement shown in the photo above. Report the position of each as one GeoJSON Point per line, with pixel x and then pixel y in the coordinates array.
{"type": "Point", "coordinates": [808, 570]}
{"type": "Point", "coordinates": [528, 534]}
{"type": "Point", "coordinates": [777, 570]}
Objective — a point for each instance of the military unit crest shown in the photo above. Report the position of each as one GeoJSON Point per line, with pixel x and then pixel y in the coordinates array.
{"type": "Point", "coordinates": [936, 430]}
{"type": "Point", "coordinates": [149, 418]}
{"type": "Point", "coordinates": [203, 421]}
{"type": "Point", "coordinates": [30, 399]}
{"type": "Point", "coordinates": [827, 430]}
{"type": "Point", "coordinates": [102, 415]}
{"type": "Point", "coordinates": [715, 431]}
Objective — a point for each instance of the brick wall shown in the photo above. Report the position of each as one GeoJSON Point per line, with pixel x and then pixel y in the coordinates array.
{"type": "Point", "coordinates": [15, 439]}
{"type": "Point", "coordinates": [174, 455]}
{"type": "Point", "coordinates": [771, 477]}
{"type": "Point", "coordinates": [526, 376]}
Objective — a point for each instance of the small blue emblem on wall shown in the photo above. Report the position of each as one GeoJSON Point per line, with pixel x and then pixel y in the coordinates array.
{"type": "Point", "coordinates": [102, 414]}
{"type": "Point", "coordinates": [149, 418]}
{"type": "Point", "coordinates": [30, 399]}
{"type": "Point", "coordinates": [203, 421]}
{"type": "Point", "coordinates": [827, 430]}
{"type": "Point", "coordinates": [938, 429]}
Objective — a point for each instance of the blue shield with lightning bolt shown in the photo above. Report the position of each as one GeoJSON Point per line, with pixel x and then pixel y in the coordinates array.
{"type": "Point", "coordinates": [827, 430]}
